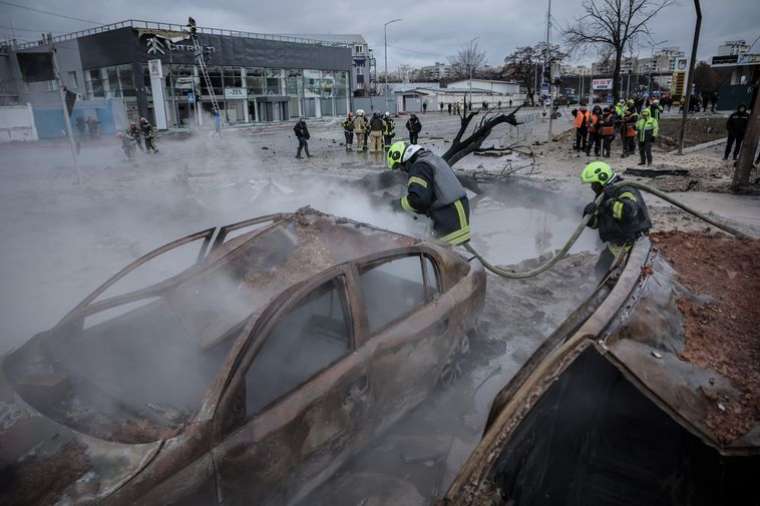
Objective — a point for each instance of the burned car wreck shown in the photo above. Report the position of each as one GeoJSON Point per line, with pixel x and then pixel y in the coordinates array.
{"type": "Point", "coordinates": [611, 413]}
{"type": "Point", "coordinates": [289, 342]}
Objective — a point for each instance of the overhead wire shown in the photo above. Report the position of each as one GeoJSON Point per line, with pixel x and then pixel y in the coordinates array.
{"type": "Point", "coordinates": [50, 13]}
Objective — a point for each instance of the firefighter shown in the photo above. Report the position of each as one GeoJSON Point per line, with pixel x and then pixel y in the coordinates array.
{"type": "Point", "coordinates": [433, 190]}
{"type": "Point", "coordinates": [134, 132]}
{"type": "Point", "coordinates": [582, 117]}
{"type": "Point", "coordinates": [348, 130]}
{"type": "Point", "coordinates": [647, 129]}
{"type": "Point", "coordinates": [360, 129]}
{"type": "Point", "coordinates": [594, 131]}
{"type": "Point", "coordinates": [389, 130]}
{"type": "Point", "coordinates": [621, 217]}
{"type": "Point", "coordinates": [376, 128]}
{"type": "Point", "coordinates": [628, 131]}
{"type": "Point", "coordinates": [149, 134]}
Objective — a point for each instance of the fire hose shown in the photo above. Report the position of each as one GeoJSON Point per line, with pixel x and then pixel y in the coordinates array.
{"type": "Point", "coordinates": [510, 274]}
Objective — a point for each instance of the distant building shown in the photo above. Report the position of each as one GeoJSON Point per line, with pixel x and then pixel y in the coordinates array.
{"type": "Point", "coordinates": [412, 99]}
{"type": "Point", "coordinates": [364, 73]}
{"type": "Point", "coordinates": [733, 47]}
{"type": "Point", "coordinates": [437, 71]}
{"type": "Point", "coordinates": [502, 87]}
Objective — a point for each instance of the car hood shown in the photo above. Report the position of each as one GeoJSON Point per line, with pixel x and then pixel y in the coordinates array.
{"type": "Point", "coordinates": [45, 462]}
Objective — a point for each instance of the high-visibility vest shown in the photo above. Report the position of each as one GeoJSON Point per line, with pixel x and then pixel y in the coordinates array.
{"type": "Point", "coordinates": [581, 118]}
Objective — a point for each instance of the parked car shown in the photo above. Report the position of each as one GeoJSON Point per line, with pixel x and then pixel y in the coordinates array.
{"type": "Point", "coordinates": [247, 375]}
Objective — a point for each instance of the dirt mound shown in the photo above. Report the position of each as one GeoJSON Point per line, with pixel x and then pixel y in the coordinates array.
{"type": "Point", "coordinates": [698, 130]}
{"type": "Point", "coordinates": [722, 329]}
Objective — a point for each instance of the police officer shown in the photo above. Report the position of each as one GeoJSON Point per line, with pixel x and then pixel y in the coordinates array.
{"type": "Point", "coordinates": [621, 216]}
{"type": "Point", "coordinates": [647, 129]}
{"type": "Point", "coordinates": [433, 190]}
{"type": "Point", "coordinates": [389, 130]}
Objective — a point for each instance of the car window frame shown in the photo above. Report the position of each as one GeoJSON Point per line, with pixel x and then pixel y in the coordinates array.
{"type": "Point", "coordinates": [387, 256]}
{"type": "Point", "coordinates": [260, 330]}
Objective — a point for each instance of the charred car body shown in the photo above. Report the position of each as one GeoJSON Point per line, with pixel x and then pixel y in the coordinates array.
{"type": "Point", "coordinates": [250, 376]}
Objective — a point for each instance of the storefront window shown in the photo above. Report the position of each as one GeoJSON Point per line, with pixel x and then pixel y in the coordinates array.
{"type": "Point", "coordinates": [312, 83]}
{"type": "Point", "coordinates": [113, 82]}
{"type": "Point", "coordinates": [215, 76]}
{"type": "Point", "coordinates": [294, 83]}
{"type": "Point", "coordinates": [341, 84]}
{"type": "Point", "coordinates": [255, 81]}
{"type": "Point", "coordinates": [232, 78]}
{"type": "Point", "coordinates": [126, 80]}
{"type": "Point", "coordinates": [327, 85]}
{"type": "Point", "coordinates": [94, 83]}
{"type": "Point", "coordinates": [274, 81]}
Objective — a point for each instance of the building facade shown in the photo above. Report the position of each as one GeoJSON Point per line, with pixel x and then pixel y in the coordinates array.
{"type": "Point", "coordinates": [152, 69]}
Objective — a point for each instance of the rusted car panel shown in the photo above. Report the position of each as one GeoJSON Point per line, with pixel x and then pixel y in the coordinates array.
{"type": "Point", "coordinates": [613, 415]}
{"type": "Point", "coordinates": [191, 417]}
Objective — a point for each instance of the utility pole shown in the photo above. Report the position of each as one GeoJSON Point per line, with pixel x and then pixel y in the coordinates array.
{"type": "Point", "coordinates": [690, 77]}
{"type": "Point", "coordinates": [385, 32]}
{"type": "Point", "coordinates": [469, 64]}
{"type": "Point", "coordinates": [548, 62]}
{"type": "Point", "coordinates": [66, 119]}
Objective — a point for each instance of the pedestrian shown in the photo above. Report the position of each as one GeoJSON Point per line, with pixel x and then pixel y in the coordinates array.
{"type": "Point", "coordinates": [302, 134]}
{"type": "Point", "coordinates": [218, 123]}
{"type": "Point", "coordinates": [376, 126]}
{"type": "Point", "coordinates": [608, 131]}
{"type": "Point", "coordinates": [449, 107]}
{"type": "Point", "coordinates": [582, 117]}
{"type": "Point", "coordinates": [360, 130]}
{"type": "Point", "coordinates": [81, 127]}
{"type": "Point", "coordinates": [510, 102]}
{"type": "Point", "coordinates": [432, 190]}
{"type": "Point", "coordinates": [389, 130]}
{"type": "Point", "coordinates": [414, 126]}
{"type": "Point", "coordinates": [628, 132]}
{"type": "Point", "coordinates": [647, 129]}
{"type": "Point", "coordinates": [498, 105]}
{"type": "Point", "coordinates": [424, 106]}
{"type": "Point", "coordinates": [621, 217]}
{"type": "Point", "coordinates": [348, 130]}
{"type": "Point", "coordinates": [92, 127]}
{"type": "Point", "coordinates": [655, 109]}
{"type": "Point", "coordinates": [714, 101]}
{"type": "Point", "coordinates": [594, 131]}
{"type": "Point", "coordinates": [148, 135]}
{"type": "Point", "coordinates": [736, 127]}
{"type": "Point", "coordinates": [134, 132]}
{"type": "Point", "coordinates": [441, 106]}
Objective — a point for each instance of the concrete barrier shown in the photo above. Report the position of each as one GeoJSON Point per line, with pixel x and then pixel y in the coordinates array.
{"type": "Point", "coordinates": [17, 124]}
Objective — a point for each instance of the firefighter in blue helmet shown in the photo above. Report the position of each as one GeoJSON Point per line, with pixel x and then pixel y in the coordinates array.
{"type": "Point", "coordinates": [433, 190]}
{"type": "Point", "coordinates": [621, 216]}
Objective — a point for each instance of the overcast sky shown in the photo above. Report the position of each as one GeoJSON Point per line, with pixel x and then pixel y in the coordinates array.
{"type": "Point", "coordinates": [431, 30]}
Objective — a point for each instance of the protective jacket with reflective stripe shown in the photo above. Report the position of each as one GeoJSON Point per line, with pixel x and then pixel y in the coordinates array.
{"type": "Point", "coordinates": [434, 190]}
{"type": "Point", "coordinates": [622, 216]}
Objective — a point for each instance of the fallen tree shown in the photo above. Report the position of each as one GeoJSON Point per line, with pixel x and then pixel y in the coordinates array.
{"type": "Point", "coordinates": [460, 147]}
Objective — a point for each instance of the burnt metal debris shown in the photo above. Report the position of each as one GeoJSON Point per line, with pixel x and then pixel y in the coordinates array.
{"type": "Point", "coordinates": [610, 413]}
{"type": "Point", "coordinates": [197, 388]}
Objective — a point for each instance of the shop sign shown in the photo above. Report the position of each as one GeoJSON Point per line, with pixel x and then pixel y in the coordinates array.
{"type": "Point", "coordinates": [601, 84]}
{"type": "Point", "coordinates": [724, 60]}
{"type": "Point", "coordinates": [155, 69]}
{"type": "Point", "coordinates": [235, 93]}
{"type": "Point", "coordinates": [159, 46]}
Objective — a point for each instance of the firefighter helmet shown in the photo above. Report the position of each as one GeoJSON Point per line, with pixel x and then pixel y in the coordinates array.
{"type": "Point", "coordinates": [597, 172]}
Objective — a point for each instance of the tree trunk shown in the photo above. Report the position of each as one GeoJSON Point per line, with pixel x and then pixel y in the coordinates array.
{"type": "Point", "coordinates": [616, 76]}
{"type": "Point", "coordinates": [747, 154]}
{"type": "Point", "coordinates": [462, 147]}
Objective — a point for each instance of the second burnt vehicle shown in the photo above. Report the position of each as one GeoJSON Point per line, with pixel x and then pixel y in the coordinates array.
{"type": "Point", "coordinates": [248, 376]}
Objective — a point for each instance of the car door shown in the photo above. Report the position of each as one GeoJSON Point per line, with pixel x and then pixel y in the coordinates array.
{"type": "Point", "coordinates": [408, 332]}
{"type": "Point", "coordinates": [296, 406]}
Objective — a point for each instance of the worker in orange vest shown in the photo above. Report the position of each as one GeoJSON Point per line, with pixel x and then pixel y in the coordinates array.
{"type": "Point", "coordinates": [607, 131]}
{"type": "Point", "coordinates": [582, 118]}
{"type": "Point", "coordinates": [594, 131]}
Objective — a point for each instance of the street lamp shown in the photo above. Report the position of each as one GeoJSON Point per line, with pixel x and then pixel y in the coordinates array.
{"type": "Point", "coordinates": [385, 32]}
{"type": "Point", "coordinates": [469, 64]}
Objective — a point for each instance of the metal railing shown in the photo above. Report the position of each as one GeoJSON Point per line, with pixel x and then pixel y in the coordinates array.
{"type": "Point", "coordinates": [154, 25]}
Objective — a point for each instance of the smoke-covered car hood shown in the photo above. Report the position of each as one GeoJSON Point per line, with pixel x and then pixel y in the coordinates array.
{"type": "Point", "coordinates": [44, 462]}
